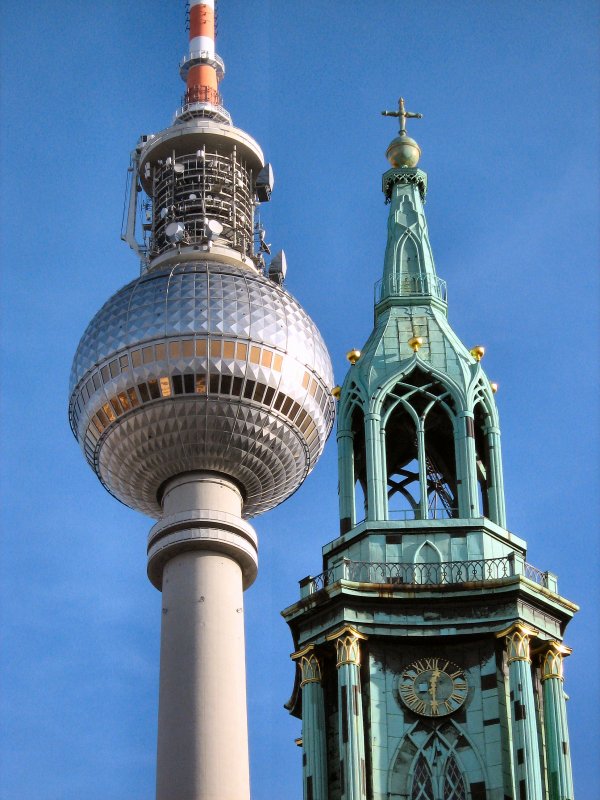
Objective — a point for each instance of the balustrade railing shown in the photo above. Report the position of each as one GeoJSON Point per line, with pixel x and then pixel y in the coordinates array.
{"type": "Point", "coordinates": [433, 574]}
{"type": "Point", "coordinates": [536, 575]}
{"type": "Point", "coordinates": [410, 286]}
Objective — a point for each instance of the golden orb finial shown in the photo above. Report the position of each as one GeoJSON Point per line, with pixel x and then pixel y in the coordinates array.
{"type": "Point", "coordinates": [415, 342]}
{"type": "Point", "coordinates": [336, 392]}
{"type": "Point", "coordinates": [494, 386]}
{"type": "Point", "coordinates": [478, 352]}
{"type": "Point", "coordinates": [403, 151]}
{"type": "Point", "coordinates": [353, 356]}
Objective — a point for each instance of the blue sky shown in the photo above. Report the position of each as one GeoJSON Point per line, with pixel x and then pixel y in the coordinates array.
{"type": "Point", "coordinates": [509, 95]}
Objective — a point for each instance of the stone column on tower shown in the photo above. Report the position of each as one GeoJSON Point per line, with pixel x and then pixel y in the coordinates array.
{"type": "Point", "coordinates": [345, 442]}
{"type": "Point", "coordinates": [560, 778]}
{"type": "Point", "coordinates": [525, 743]}
{"type": "Point", "coordinates": [314, 746]}
{"type": "Point", "coordinates": [375, 468]}
{"type": "Point", "coordinates": [353, 776]}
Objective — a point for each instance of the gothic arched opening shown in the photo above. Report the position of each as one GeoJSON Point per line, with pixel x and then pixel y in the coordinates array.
{"type": "Point", "coordinates": [420, 450]}
{"type": "Point", "coordinates": [357, 426]}
{"type": "Point", "coordinates": [432, 763]}
{"type": "Point", "coordinates": [402, 465]}
{"type": "Point", "coordinates": [482, 458]}
{"type": "Point", "coordinates": [441, 464]}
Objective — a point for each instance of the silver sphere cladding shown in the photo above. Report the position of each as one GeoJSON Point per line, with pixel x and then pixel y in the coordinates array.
{"type": "Point", "coordinates": [201, 366]}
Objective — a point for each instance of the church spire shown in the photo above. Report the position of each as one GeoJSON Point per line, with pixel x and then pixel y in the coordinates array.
{"type": "Point", "coordinates": [409, 276]}
{"type": "Point", "coordinates": [426, 638]}
{"type": "Point", "coordinates": [418, 427]}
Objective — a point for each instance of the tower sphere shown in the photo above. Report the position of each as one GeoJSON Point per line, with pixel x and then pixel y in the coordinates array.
{"type": "Point", "coordinates": [201, 366]}
{"type": "Point", "coordinates": [403, 152]}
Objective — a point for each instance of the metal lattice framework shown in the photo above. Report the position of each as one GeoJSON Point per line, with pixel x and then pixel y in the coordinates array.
{"type": "Point", "coordinates": [197, 187]}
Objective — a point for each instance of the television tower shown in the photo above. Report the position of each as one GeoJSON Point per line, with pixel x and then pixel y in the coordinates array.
{"type": "Point", "coordinates": [201, 395]}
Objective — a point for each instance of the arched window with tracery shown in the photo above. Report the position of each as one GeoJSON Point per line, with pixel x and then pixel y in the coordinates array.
{"type": "Point", "coordinates": [454, 784]}
{"type": "Point", "coordinates": [422, 784]}
{"type": "Point", "coordinates": [418, 417]}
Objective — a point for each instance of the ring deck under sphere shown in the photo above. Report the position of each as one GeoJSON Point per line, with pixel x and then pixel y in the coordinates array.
{"type": "Point", "coordinates": [201, 366]}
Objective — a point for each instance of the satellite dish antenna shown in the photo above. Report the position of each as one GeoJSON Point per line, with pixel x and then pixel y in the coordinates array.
{"type": "Point", "coordinates": [278, 268]}
{"type": "Point", "coordinates": [179, 169]}
{"type": "Point", "coordinates": [175, 232]}
{"type": "Point", "coordinates": [213, 228]}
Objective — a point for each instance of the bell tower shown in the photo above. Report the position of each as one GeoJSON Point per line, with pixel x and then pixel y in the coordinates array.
{"type": "Point", "coordinates": [428, 651]}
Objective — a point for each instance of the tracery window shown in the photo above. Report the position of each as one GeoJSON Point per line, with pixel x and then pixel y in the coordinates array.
{"type": "Point", "coordinates": [422, 786]}
{"type": "Point", "coordinates": [420, 453]}
{"type": "Point", "coordinates": [454, 785]}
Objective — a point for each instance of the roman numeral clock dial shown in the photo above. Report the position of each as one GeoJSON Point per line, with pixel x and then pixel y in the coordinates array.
{"type": "Point", "coordinates": [433, 687]}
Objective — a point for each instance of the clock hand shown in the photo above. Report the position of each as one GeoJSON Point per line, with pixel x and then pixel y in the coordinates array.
{"type": "Point", "coordinates": [433, 683]}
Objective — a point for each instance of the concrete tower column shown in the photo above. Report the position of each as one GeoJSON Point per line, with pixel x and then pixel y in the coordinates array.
{"type": "Point", "coordinates": [353, 778]}
{"type": "Point", "coordinates": [525, 742]}
{"type": "Point", "coordinates": [202, 555]}
{"type": "Point", "coordinates": [314, 745]}
{"type": "Point", "coordinates": [560, 778]}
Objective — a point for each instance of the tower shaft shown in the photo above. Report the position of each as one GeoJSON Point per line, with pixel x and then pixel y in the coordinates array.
{"type": "Point", "coordinates": [202, 721]}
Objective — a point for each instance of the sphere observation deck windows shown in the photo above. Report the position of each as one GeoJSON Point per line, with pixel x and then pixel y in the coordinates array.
{"type": "Point", "coordinates": [165, 371]}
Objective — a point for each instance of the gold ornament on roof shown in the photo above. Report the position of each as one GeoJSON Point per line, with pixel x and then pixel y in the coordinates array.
{"type": "Point", "coordinates": [415, 343]}
{"type": "Point", "coordinates": [353, 356]}
{"type": "Point", "coordinates": [336, 392]}
{"type": "Point", "coordinates": [403, 151]}
{"type": "Point", "coordinates": [494, 386]}
{"type": "Point", "coordinates": [478, 352]}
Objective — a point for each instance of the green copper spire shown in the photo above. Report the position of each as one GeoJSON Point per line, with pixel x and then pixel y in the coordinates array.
{"type": "Point", "coordinates": [429, 653]}
{"type": "Point", "coordinates": [418, 426]}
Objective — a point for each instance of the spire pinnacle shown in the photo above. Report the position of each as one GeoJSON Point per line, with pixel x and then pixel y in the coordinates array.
{"type": "Point", "coordinates": [403, 151]}
{"type": "Point", "coordinates": [403, 115]}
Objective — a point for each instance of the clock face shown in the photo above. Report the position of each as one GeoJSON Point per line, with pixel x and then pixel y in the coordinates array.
{"type": "Point", "coordinates": [433, 687]}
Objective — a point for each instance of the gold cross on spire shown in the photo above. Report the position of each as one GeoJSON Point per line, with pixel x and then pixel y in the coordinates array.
{"type": "Point", "coordinates": [403, 115]}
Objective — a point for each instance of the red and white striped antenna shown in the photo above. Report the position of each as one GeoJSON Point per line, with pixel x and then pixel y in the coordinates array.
{"type": "Point", "coordinates": [202, 69]}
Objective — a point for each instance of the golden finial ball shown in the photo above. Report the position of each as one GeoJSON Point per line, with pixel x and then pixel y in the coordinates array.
{"type": "Point", "coordinates": [353, 356]}
{"type": "Point", "coordinates": [478, 352]}
{"type": "Point", "coordinates": [415, 342]}
{"type": "Point", "coordinates": [336, 392]}
{"type": "Point", "coordinates": [403, 152]}
{"type": "Point", "coordinates": [494, 386]}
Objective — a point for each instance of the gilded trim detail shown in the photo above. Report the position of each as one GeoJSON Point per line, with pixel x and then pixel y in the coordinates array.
{"type": "Point", "coordinates": [347, 643]}
{"type": "Point", "coordinates": [552, 660]}
{"type": "Point", "coordinates": [517, 641]}
{"type": "Point", "coordinates": [310, 665]}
